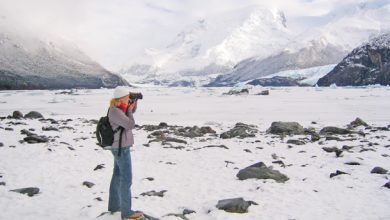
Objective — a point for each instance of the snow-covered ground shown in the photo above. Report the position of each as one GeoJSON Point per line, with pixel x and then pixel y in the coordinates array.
{"type": "Point", "coordinates": [197, 179]}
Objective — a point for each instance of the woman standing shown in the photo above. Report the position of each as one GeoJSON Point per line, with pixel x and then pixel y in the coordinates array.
{"type": "Point", "coordinates": [121, 116]}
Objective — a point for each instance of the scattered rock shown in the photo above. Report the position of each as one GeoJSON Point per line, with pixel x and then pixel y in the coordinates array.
{"type": "Point", "coordinates": [30, 191]}
{"type": "Point", "coordinates": [237, 92]}
{"type": "Point", "coordinates": [2, 183]}
{"type": "Point", "coordinates": [33, 115]}
{"type": "Point", "coordinates": [357, 122]}
{"type": "Point", "coordinates": [387, 185]}
{"type": "Point", "coordinates": [213, 146]}
{"type": "Point", "coordinates": [8, 129]}
{"type": "Point", "coordinates": [286, 128]}
{"type": "Point", "coordinates": [36, 139]}
{"type": "Point", "coordinates": [183, 214]}
{"type": "Point", "coordinates": [240, 130]}
{"type": "Point", "coordinates": [261, 171]}
{"type": "Point", "coordinates": [17, 115]}
{"type": "Point", "coordinates": [338, 172]}
{"type": "Point", "coordinates": [195, 131]}
{"type": "Point", "coordinates": [50, 128]}
{"type": "Point", "coordinates": [99, 199]}
{"type": "Point", "coordinates": [154, 193]}
{"type": "Point", "coordinates": [149, 178]}
{"type": "Point", "coordinates": [88, 184]}
{"type": "Point", "coordinates": [334, 130]}
{"type": "Point", "coordinates": [99, 167]}
{"type": "Point", "coordinates": [379, 170]}
{"type": "Point", "coordinates": [236, 205]}
{"type": "Point", "coordinates": [352, 163]}
{"type": "Point", "coordinates": [26, 132]}
{"type": "Point", "coordinates": [265, 92]}
{"type": "Point", "coordinates": [296, 142]}
{"type": "Point", "coordinates": [1, 144]}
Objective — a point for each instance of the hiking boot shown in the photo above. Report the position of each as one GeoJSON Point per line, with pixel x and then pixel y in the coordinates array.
{"type": "Point", "coordinates": [135, 216]}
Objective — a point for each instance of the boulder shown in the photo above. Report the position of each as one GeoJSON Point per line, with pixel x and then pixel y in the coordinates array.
{"type": "Point", "coordinates": [387, 185]}
{"type": "Point", "coordinates": [236, 205]}
{"type": "Point", "coordinates": [296, 142]}
{"type": "Point", "coordinates": [237, 92]}
{"type": "Point", "coordinates": [261, 171]}
{"type": "Point", "coordinates": [154, 193]}
{"type": "Point", "coordinates": [33, 115]}
{"type": "Point", "coordinates": [36, 139]}
{"type": "Point", "coordinates": [330, 130]}
{"type": "Point", "coordinates": [379, 170]}
{"type": "Point", "coordinates": [88, 184]}
{"type": "Point", "coordinates": [30, 191]}
{"type": "Point", "coordinates": [17, 115]}
{"type": "Point", "coordinates": [286, 128]}
{"type": "Point", "coordinates": [240, 130]}
{"type": "Point", "coordinates": [356, 123]}
{"type": "Point", "coordinates": [338, 172]}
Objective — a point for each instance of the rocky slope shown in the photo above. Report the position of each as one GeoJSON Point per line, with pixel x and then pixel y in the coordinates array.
{"type": "Point", "coordinates": [30, 60]}
{"type": "Point", "coordinates": [365, 65]}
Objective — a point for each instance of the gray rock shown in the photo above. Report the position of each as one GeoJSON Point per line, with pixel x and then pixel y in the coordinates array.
{"type": "Point", "coordinates": [88, 184]}
{"type": "Point", "coordinates": [296, 142]}
{"type": "Point", "coordinates": [154, 193]}
{"type": "Point", "coordinates": [30, 191]}
{"type": "Point", "coordinates": [330, 130]}
{"type": "Point", "coordinates": [17, 115]}
{"type": "Point", "coordinates": [236, 205]}
{"type": "Point", "coordinates": [286, 128]}
{"type": "Point", "coordinates": [36, 139]}
{"type": "Point", "coordinates": [387, 185]}
{"type": "Point", "coordinates": [50, 128]}
{"type": "Point", "coordinates": [2, 183]}
{"type": "Point", "coordinates": [237, 92]}
{"type": "Point", "coordinates": [276, 81]}
{"type": "Point", "coordinates": [240, 130]}
{"type": "Point", "coordinates": [99, 167]}
{"type": "Point", "coordinates": [195, 131]}
{"type": "Point", "coordinates": [265, 92]}
{"type": "Point", "coordinates": [352, 163]}
{"type": "Point", "coordinates": [357, 122]}
{"type": "Point", "coordinates": [1, 144]}
{"type": "Point", "coordinates": [338, 172]}
{"type": "Point", "coordinates": [379, 170]}
{"type": "Point", "coordinates": [33, 115]}
{"type": "Point", "coordinates": [261, 171]}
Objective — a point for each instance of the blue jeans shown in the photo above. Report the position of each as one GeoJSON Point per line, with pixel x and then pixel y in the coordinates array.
{"type": "Point", "coordinates": [120, 187]}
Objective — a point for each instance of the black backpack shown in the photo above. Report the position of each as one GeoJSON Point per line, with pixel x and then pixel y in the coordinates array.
{"type": "Point", "coordinates": [105, 133]}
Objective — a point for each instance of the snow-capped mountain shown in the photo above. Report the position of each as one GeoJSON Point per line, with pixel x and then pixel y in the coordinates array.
{"type": "Point", "coordinates": [366, 65]}
{"type": "Point", "coordinates": [257, 41]}
{"type": "Point", "coordinates": [31, 60]}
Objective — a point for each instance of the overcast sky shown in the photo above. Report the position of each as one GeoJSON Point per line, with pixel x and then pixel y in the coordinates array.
{"type": "Point", "coordinates": [116, 32]}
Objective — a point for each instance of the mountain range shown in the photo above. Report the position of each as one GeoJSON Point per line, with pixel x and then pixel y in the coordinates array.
{"type": "Point", "coordinates": [251, 43]}
{"type": "Point", "coordinates": [34, 60]}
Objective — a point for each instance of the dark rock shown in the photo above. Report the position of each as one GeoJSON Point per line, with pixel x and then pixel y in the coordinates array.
{"type": "Point", "coordinates": [357, 122]}
{"type": "Point", "coordinates": [236, 205]}
{"type": "Point", "coordinates": [17, 115]}
{"type": "Point", "coordinates": [1, 144]}
{"type": "Point", "coordinates": [334, 130]}
{"type": "Point", "coordinates": [176, 140]}
{"type": "Point", "coordinates": [286, 128]}
{"type": "Point", "coordinates": [99, 199]}
{"type": "Point", "coordinates": [265, 92]}
{"type": "Point", "coordinates": [352, 163]}
{"type": "Point", "coordinates": [240, 130]}
{"type": "Point", "coordinates": [99, 167]}
{"type": "Point", "coordinates": [379, 170]}
{"type": "Point", "coordinates": [8, 129]}
{"type": "Point", "coordinates": [368, 64]}
{"type": "Point", "coordinates": [33, 115]}
{"type": "Point", "coordinates": [154, 193]}
{"type": "Point", "coordinates": [49, 129]}
{"type": "Point", "coordinates": [36, 139]}
{"type": "Point", "coordinates": [188, 211]}
{"type": "Point", "coordinates": [387, 185]}
{"type": "Point", "coordinates": [330, 149]}
{"type": "Point", "coordinates": [71, 148]}
{"type": "Point", "coordinates": [2, 183]}
{"type": "Point", "coordinates": [237, 92]}
{"type": "Point", "coordinates": [213, 146]}
{"type": "Point", "coordinates": [338, 172]}
{"type": "Point", "coordinates": [261, 171]}
{"type": "Point", "coordinates": [195, 131]}
{"type": "Point", "coordinates": [296, 142]}
{"type": "Point", "coordinates": [332, 138]}
{"type": "Point", "coordinates": [30, 191]}
{"type": "Point", "coordinates": [149, 178]}
{"type": "Point", "coordinates": [26, 132]}
{"type": "Point", "coordinates": [88, 184]}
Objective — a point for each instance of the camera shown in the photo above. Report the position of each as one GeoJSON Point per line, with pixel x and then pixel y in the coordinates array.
{"type": "Point", "coordinates": [135, 96]}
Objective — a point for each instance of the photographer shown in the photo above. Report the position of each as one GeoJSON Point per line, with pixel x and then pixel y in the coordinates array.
{"type": "Point", "coordinates": [122, 121]}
